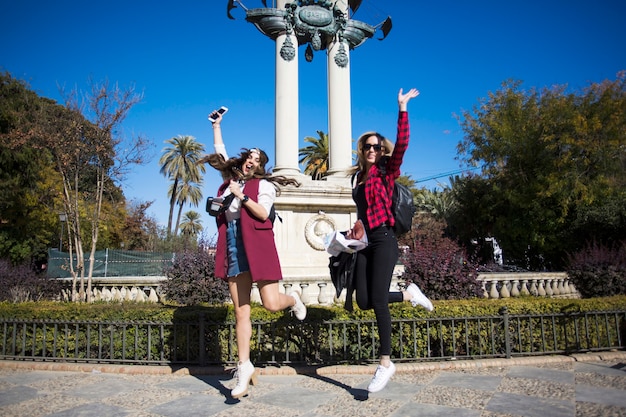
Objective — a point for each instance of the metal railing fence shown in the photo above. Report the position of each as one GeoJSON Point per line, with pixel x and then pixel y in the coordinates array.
{"type": "Point", "coordinates": [112, 263]}
{"type": "Point", "coordinates": [285, 341]}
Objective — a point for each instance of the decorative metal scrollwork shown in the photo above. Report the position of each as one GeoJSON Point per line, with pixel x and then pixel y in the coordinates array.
{"type": "Point", "coordinates": [287, 51]}
{"type": "Point", "coordinates": [341, 58]}
{"type": "Point", "coordinates": [316, 41]}
{"type": "Point", "coordinates": [316, 23]}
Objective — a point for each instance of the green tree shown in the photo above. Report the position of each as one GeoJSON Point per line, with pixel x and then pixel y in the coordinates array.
{"type": "Point", "coordinates": [140, 230]}
{"type": "Point", "coordinates": [409, 182]}
{"type": "Point", "coordinates": [82, 140]}
{"type": "Point", "coordinates": [469, 221]}
{"type": "Point", "coordinates": [29, 193]}
{"type": "Point", "coordinates": [179, 163]}
{"type": "Point", "coordinates": [93, 149]}
{"type": "Point", "coordinates": [30, 187]}
{"type": "Point", "coordinates": [315, 156]}
{"type": "Point", "coordinates": [438, 203]}
{"type": "Point", "coordinates": [191, 225]}
{"type": "Point", "coordinates": [188, 192]}
{"type": "Point", "coordinates": [546, 156]}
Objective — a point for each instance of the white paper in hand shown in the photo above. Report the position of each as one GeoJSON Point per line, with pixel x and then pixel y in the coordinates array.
{"type": "Point", "coordinates": [335, 243]}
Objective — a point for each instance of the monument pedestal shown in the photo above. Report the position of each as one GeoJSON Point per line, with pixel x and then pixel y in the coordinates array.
{"type": "Point", "coordinates": [309, 213]}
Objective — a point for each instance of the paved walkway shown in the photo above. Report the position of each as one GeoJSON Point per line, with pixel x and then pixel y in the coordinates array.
{"type": "Point", "coordinates": [558, 386]}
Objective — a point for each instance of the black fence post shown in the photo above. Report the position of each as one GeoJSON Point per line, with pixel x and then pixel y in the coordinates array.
{"type": "Point", "coordinates": [201, 336]}
{"type": "Point", "coordinates": [507, 335]}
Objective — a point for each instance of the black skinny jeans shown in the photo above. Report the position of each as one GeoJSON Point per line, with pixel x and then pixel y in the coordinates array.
{"type": "Point", "coordinates": [373, 272]}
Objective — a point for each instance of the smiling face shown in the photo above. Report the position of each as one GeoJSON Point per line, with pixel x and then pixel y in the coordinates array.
{"type": "Point", "coordinates": [372, 149]}
{"type": "Point", "coordinates": [252, 163]}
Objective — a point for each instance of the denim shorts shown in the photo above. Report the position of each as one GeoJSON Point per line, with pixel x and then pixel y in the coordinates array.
{"type": "Point", "coordinates": [237, 259]}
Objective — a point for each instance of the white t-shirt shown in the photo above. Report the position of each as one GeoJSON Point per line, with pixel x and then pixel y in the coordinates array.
{"type": "Point", "coordinates": [267, 193]}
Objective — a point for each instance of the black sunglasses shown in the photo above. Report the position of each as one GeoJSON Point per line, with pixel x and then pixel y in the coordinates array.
{"type": "Point", "coordinates": [368, 146]}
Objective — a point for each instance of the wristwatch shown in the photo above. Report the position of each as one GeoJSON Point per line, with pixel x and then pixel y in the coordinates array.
{"type": "Point", "coordinates": [245, 199]}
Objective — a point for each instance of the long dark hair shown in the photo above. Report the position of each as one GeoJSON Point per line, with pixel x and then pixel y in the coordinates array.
{"type": "Point", "coordinates": [231, 168]}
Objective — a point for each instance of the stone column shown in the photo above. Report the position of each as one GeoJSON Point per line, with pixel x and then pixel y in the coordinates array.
{"type": "Point", "coordinates": [339, 107]}
{"type": "Point", "coordinates": [286, 111]}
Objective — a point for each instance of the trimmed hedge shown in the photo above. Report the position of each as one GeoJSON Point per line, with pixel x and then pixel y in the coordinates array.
{"type": "Point", "coordinates": [102, 311]}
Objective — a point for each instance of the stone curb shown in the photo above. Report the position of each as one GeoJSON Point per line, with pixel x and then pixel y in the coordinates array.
{"type": "Point", "coordinates": [312, 370]}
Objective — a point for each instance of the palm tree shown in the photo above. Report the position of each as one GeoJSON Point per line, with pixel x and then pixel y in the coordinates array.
{"type": "Point", "coordinates": [315, 156]}
{"type": "Point", "coordinates": [409, 182]}
{"type": "Point", "coordinates": [438, 203]}
{"type": "Point", "coordinates": [191, 224]}
{"type": "Point", "coordinates": [178, 162]}
{"type": "Point", "coordinates": [188, 191]}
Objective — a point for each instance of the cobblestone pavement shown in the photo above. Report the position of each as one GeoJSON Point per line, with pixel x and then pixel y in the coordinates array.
{"type": "Point", "coordinates": [558, 386]}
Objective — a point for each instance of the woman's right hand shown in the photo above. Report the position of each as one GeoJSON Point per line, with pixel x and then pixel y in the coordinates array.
{"type": "Point", "coordinates": [216, 116]}
{"type": "Point", "coordinates": [218, 141]}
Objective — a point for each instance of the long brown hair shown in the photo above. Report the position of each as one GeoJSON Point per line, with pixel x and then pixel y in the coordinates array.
{"type": "Point", "coordinates": [231, 168]}
{"type": "Point", "coordinates": [361, 163]}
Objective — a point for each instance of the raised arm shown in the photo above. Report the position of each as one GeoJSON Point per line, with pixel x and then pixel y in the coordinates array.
{"type": "Point", "coordinates": [218, 141]}
{"type": "Point", "coordinates": [403, 99]}
{"type": "Point", "coordinates": [402, 138]}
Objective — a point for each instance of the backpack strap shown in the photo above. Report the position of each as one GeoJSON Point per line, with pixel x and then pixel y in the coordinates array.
{"type": "Point", "coordinates": [382, 168]}
{"type": "Point", "coordinates": [352, 179]}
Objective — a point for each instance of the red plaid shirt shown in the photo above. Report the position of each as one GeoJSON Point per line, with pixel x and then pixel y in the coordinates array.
{"type": "Point", "coordinates": [378, 199]}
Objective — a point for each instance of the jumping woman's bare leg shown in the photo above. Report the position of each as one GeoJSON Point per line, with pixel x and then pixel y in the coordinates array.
{"type": "Point", "coordinates": [240, 288]}
{"type": "Point", "coordinates": [274, 300]}
{"type": "Point", "coordinates": [385, 360]}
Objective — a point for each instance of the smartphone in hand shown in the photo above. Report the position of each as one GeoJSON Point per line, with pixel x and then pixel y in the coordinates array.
{"type": "Point", "coordinates": [215, 114]}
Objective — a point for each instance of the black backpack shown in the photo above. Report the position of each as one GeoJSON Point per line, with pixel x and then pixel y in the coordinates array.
{"type": "Point", "coordinates": [402, 205]}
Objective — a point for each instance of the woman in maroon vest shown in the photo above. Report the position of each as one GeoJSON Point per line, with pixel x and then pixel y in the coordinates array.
{"type": "Point", "coordinates": [246, 251]}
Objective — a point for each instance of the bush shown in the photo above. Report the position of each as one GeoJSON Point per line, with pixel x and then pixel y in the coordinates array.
{"type": "Point", "coordinates": [598, 270]}
{"type": "Point", "coordinates": [21, 283]}
{"type": "Point", "coordinates": [191, 279]}
{"type": "Point", "coordinates": [439, 266]}
{"type": "Point", "coordinates": [328, 335]}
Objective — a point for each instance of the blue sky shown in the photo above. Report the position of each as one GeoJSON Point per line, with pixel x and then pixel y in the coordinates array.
{"type": "Point", "coordinates": [188, 58]}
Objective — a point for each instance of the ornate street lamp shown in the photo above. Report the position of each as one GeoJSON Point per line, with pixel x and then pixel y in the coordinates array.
{"type": "Point", "coordinates": [315, 23]}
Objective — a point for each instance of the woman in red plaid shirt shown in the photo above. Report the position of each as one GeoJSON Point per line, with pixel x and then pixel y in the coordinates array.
{"type": "Point", "coordinates": [377, 156]}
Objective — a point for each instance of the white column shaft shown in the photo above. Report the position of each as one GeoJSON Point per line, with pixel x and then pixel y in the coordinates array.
{"type": "Point", "coordinates": [286, 110]}
{"type": "Point", "coordinates": [339, 108]}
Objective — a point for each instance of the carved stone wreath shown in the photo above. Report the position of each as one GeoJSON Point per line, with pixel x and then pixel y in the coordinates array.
{"type": "Point", "coordinates": [316, 229]}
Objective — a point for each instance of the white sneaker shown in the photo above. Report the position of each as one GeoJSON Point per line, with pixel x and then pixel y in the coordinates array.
{"type": "Point", "coordinates": [381, 377]}
{"type": "Point", "coordinates": [299, 309]}
{"type": "Point", "coordinates": [245, 375]}
{"type": "Point", "coordinates": [418, 298]}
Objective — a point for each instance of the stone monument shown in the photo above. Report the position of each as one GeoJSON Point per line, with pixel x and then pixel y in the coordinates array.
{"type": "Point", "coordinates": [318, 207]}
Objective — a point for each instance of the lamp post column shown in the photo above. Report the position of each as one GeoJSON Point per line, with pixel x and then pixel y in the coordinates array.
{"type": "Point", "coordinates": [286, 110]}
{"type": "Point", "coordinates": [339, 104]}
